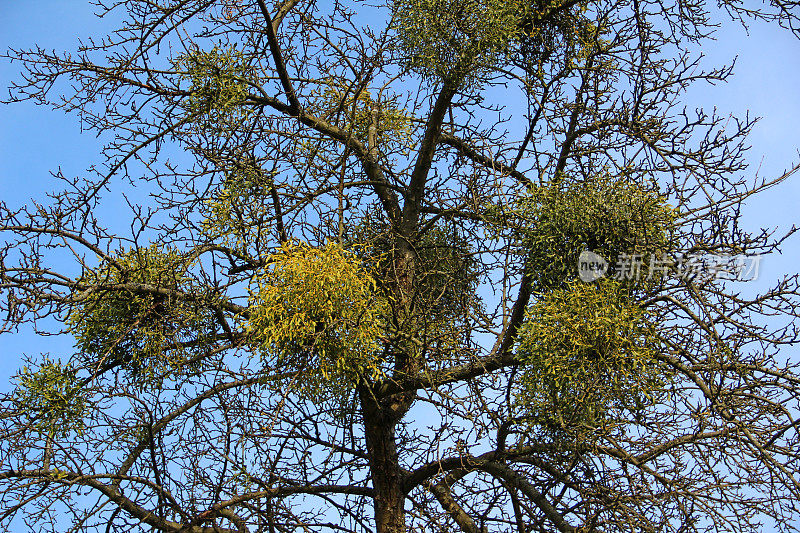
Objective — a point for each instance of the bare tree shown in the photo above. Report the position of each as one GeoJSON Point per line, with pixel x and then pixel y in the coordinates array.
{"type": "Point", "coordinates": [428, 265]}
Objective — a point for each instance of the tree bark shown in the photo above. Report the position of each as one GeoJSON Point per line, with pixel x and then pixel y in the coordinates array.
{"type": "Point", "coordinates": [387, 478]}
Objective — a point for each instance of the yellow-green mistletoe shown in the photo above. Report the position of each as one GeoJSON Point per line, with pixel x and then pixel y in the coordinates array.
{"type": "Point", "coordinates": [317, 310]}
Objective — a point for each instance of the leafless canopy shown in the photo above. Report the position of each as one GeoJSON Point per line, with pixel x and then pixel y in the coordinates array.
{"type": "Point", "coordinates": [442, 146]}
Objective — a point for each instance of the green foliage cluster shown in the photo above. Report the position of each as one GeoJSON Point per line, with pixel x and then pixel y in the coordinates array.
{"type": "Point", "coordinates": [354, 112]}
{"type": "Point", "coordinates": [52, 397]}
{"type": "Point", "coordinates": [444, 39]}
{"type": "Point", "coordinates": [447, 273]}
{"type": "Point", "coordinates": [316, 310]}
{"type": "Point", "coordinates": [219, 85]}
{"type": "Point", "coordinates": [609, 216]}
{"type": "Point", "coordinates": [589, 352]}
{"type": "Point", "coordinates": [560, 28]}
{"type": "Point", "coordinates": [437, 35]}
{"type": "Point", "coordinates": [238, 214]}
{"type": "Point", "coordinates": [445, 278]}
{"type": "Point", "coordinates": [147, 326]}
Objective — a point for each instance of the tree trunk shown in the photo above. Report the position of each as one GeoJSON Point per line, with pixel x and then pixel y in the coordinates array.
{"type": "Point", "coordinates": [381, 415]}
{"type": "Point", "coordinates": [387, 479]}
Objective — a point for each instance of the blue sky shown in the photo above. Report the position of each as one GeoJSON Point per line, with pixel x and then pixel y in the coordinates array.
{"type": "Point", "coordinates": [36, 140]}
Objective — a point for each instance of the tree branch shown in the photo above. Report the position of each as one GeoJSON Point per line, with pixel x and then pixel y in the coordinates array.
{"type": "Point", "coordinates": [280, 66]}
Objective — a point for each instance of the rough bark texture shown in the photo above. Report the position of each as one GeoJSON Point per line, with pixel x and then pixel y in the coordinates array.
{"type": "Point", "coordinates": [387, 478]}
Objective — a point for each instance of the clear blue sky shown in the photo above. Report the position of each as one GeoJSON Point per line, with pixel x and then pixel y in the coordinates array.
{"type": "Point", "coordinates": [35, 140]}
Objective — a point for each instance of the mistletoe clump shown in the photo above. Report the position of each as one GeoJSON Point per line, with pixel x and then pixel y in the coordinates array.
{"type": "Point", "coordinates": [239, 213]}
{"type": "Point", "coordinates": [446, 275]}
{"type": "Point", "coordinates": [358, 111]}
{"type": "Point", "coordinates": [53, 398]}
{"type": "Point", "coordinates": [219, 85]}
{"type": "Point", "coordinates": [437, 35]}
{"type": "Point", "coordinates": [316, 310]}
{"type": "Point", "coordinates": [589, 353]}
{"type": "Point", "coordinates": [449, 39]}
{"type": "Point", "coordinates": [138, 313]}
{"type": "Point", "coordinates": [610, 216]}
